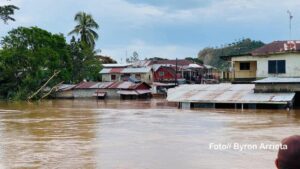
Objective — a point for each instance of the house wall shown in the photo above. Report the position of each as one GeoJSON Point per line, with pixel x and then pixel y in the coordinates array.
{"type": "Point", "coordinates": [292, 64]}
{"type": "Point", "coordinates": [145, 77]}
{"type": "Point", "coordinates": [245, 73]}
{"type": "Point", "coordinates": [107, 77]}
{"type": "Point", "coordinates": [167, 74]}
{"type": "Point", "coordinates": [68, 94]}
{"type": "Point", "coordinates": [88, 93]}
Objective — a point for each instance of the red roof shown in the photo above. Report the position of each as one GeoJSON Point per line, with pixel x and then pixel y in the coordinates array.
{"type": "Point", "coordinates": [277, 47]}
{"type": "Point", "coordinates": [116, 70]}
{"type": "Point", "coordinates": [112, 85]}
{"type": "Point", "coordinates": [85, 85]}
{"type": "Point", "coordinates": [180, 62]}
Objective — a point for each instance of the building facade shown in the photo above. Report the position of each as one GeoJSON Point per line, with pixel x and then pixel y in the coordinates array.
{"type": "Point", "coordinates": [277, 59]}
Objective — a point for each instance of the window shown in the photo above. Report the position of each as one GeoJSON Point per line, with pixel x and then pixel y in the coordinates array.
{"type": "Point", "coordinates": [113, 77]}
{"type": "Point", "coordinates": [138, 76]}
{"type": "Point", "coordinates": [276, 66]}
{"type": "Point", "coordinates": [125, 76]}
{"type": "Point", "coordinates": [161, 73]}
{"type": "Point", "coordinates": [245, 66]}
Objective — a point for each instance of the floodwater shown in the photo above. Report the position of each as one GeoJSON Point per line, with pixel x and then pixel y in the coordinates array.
{"type": "Point", "coordinates": [115, 134]}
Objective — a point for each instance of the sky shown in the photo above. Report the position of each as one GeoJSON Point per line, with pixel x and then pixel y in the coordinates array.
{"type": "Point", "coordinates": [163, 28]}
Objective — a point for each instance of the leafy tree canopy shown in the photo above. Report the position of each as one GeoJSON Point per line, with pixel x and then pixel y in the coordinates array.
{"type": "Point", "coordinates": [86, 27]}
{"type": "Point", "coordinates": [211, 55]}
{"type": "Point", "coordinates": [133, 58]}
{"type": "Point", "coordinates": [86, 65]}
{"type": "Point", "coordinates": [105, 59]}
{"type": "Point", "coordinates": [28, 58]}
{"type": "Point", "coordinates": [195, 60]}
{"type": "Point", "coordinates": [6, 12]}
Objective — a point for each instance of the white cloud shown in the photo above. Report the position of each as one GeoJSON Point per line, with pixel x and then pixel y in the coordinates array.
{"type": "Point", "coordinates": [117, 17]}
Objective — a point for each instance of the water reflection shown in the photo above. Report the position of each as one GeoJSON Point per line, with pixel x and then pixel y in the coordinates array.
{"type": "Point", "coordinates": [136, 135]}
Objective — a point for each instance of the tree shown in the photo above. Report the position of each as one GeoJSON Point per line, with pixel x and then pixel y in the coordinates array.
{"type": "Point", "coordinates": [86, 26]}
{"type": "Point", "coordinates": [105, 59]}
{"type": "Point", "coordinates": [195, 60]}
{"type": "Point", "coordinates": [7, 11]}
{"type": "Point", "coordinates": [30, 56]}
{"type": "Point", "coordinates": [85, 63]}
{"type": "Point", "coordinates": [155, 58]}
{"type": "Point", "coordinates": [211, 56]}
{"type": "Point", "coordinates": [133, 58]}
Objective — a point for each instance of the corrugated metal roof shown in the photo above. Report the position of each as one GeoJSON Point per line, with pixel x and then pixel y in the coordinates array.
{"type": "Point", "coordinates": [109, 85]}
{"type": "Point", "coordinates": [116, 70]}
{"type": "Point", "coordinates": [126, 70]}
{"type": "Point", "coordinates": [114, 65]}
{"type": "Point", "coordinates": [65, 87]}
{"type": "Point", "coordinates": [141, 63]}
{"type": "Point", "coordinates": [85, 85]}
{"type": "Point", "coordinates": [278, 47]}
{"type": "Point", "coordinates": [105, 71]}
{"type": "Point", "coordinates": [278, 80]}
{"type": "Point", "coordinates": [101, 85]}
{"type": "Point", "coordinates": [225, 93]}
{"type": "Point", "coordinates": [194, 65]}
{"type": "Point", "coordinates": [136, 70]}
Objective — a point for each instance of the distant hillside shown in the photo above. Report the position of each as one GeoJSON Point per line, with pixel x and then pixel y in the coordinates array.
{"type": "Point", "coordinates": [211, 55]}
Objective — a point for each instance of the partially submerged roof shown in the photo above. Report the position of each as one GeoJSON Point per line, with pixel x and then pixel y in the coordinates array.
{"type": "Point", "coordinates": [278, 80]}
{"type": "Point", "coordinates": [65, 87]}
{"type": "Point", "coordinates": [225, 93]}
{"type": "Point", "coordinates": [111, 85]}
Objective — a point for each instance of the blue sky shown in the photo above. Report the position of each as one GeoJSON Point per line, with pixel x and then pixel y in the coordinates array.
{"type": "Point", "coordinates": [164, 28]}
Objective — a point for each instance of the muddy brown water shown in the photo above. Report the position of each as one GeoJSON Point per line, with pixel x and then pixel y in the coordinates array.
{"type": "Point", "coordinates": [154, 134]}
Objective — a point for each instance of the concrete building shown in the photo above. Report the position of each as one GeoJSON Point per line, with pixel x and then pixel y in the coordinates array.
{"type": "Point", "coordinates": [118, 72]}
{"type": "Point", "coordinates": [277, 59]}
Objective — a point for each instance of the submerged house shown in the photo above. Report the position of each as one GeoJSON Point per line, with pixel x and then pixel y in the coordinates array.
{"type": "Point", "coordinates": [164, 71]}
{"type": "Point", "coordinates": [120, 72]}
{"type": "Point", "coordinates": [227, 95]}
{"type": "Point", "coordinates": [273, 71]}
{"type": "Point", "coordinates": [277, 59]}
{"type": "Point", "coordinates": [111, 90]}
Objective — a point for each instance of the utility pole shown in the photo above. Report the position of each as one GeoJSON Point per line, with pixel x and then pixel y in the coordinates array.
{"type": "Point", "coordinates": [290, 24]}
{"type": "Point", "coordinates": [176, 84]}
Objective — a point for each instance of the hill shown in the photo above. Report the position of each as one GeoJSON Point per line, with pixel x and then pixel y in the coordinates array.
{"type": "Point", "coordinates": [211, 56]}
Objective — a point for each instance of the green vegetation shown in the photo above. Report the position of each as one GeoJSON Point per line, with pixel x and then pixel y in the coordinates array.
{"type": "Point", "coordinates": [105, 59]}
{"type": "Point", "coordinates": [211, 56]}
{"type": "Point", "coordinates": [85, 27]}
{"type": "Point", "coordinates": [85, 64]}
{"type": "Point", "coordinates": [6, 12]}
{"type": "Point", "coordinates": [133, 58]}
{"type": "Point", "coordinates": [28, 58]}
{"type": "Point", "coordinates": [33, 61]}
{"type": "Point", "coordinates": [195, 60]}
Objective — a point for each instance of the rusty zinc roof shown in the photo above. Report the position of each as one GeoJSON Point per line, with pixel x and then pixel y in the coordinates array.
{"type": "Point", "coordinates": [85, 85]}
{"type": "Point", "coordinates": [277, 47]}
{"type": "Point", "coordinates": [110, 85]}
{"type": "Point", "coordinates": [225, 93]}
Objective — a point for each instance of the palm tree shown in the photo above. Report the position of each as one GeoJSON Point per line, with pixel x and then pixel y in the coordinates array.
{"type": "Point", "coordinates": [85, 27]}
